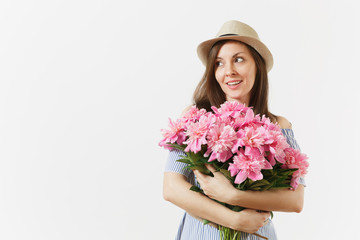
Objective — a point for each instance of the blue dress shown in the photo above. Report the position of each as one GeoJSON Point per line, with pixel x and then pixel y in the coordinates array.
{"type": "Point", "coordinates": [191, 228]}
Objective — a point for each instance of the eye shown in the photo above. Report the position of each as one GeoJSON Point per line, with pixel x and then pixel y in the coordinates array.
{"type": "Point", "coordinates": [218, 64]}
{"type": "Point", "coordinates": [239, 59]}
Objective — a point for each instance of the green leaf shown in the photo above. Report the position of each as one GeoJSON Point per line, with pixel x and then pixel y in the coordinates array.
{"type": "Point", "coordinates": [287, 171]}
{"type": "Point", "coordinates": [226, 174]}
{"type": "Point", "coordinates": [281, 185]}
{"type": "Point", "coordinates": [203, 160]}
{"type": "Point", "coordinates": [242, 186]}
{"type": "Point", "coordinates": [281, 178]}
{"type": "Point", "coordinates": [196, 189]}
{"type": "Point", "coordinates": [177, 146]}
{"type": "Point", "coordinates": [267, 187]}
{"type": "Point", "coordinates": [259, 183]}
{"type": "Point", "coordinates": [206, 221]}
{"type": "Point", "coordinates": [195, 157]}
{"type": "Point", "coordinates": [203, 170]}
{"type": "Point", "coordinates": [184, 161]}
{"type": "Point", "coordinates": [237, 208]}
{"type": "Point", "coordinates": [190, 166]}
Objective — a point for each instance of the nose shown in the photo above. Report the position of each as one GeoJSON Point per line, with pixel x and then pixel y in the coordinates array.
{"type": "Point", "coordinates": [230, 71]}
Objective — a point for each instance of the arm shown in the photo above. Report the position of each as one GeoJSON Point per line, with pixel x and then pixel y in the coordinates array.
{"type": "Point", "coordinates": [283, 200]}
{"type": "Point", "coordinates": [176, 190]}
{"type": "Point", "coordinates": [220, 188]}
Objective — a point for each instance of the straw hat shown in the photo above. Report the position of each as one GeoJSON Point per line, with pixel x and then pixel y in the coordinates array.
{"type": "Point", "coordinates": [235, 30]}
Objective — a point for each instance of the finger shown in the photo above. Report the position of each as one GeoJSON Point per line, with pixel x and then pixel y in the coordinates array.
{"type": "Point", "coordinates": [199, 175]}
{"type": "Point", "coordinates": [210, 167]}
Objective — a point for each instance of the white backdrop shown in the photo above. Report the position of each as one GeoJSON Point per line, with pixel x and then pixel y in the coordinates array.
{"type": "Point", "coordinates": [86, 86]}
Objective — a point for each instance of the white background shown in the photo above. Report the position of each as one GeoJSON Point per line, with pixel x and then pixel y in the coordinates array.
{"type": "Point", "coordinates": [86, 86]}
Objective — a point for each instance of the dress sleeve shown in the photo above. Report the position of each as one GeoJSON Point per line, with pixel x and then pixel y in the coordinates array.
{"type": "Point", "coordinates": [289, 134]}
{"type": "Point", "coordinates": [174, 166]}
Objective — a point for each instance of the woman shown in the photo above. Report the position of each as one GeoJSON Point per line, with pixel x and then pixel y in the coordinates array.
{"type": "Point", "coordinates": [236, 63]}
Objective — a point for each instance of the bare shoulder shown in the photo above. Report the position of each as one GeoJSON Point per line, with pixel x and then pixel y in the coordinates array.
{"type": "Point", "coordinates": [283, 122]}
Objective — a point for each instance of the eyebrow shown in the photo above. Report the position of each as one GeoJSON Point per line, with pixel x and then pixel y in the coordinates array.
{"type": "Point", "coordinates": [232, 56]}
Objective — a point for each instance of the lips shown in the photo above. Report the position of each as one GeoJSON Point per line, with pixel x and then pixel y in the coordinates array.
{"type": "Point", "coordinates": [234, 83]}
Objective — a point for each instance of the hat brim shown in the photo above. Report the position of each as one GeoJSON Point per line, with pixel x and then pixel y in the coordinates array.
{"type": "Point", "coordinates": [205, 47]}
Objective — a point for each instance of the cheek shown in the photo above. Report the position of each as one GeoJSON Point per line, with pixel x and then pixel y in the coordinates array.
{"type": "Point", "coordinates": [252, 75]}
{"type": "Point", "coordinates": [218, 76]}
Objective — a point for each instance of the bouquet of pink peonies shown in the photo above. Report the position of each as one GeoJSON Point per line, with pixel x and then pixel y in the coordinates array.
{"type": "Point", "coordinates": [249, 150]}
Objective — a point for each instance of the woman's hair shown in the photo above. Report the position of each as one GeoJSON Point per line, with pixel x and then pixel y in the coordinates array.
{"type": "Point", "coordinates": [209, 93]}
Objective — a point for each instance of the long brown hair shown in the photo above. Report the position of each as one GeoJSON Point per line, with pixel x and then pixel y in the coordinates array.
{"type": "Point", "coordinates": [209, 93]}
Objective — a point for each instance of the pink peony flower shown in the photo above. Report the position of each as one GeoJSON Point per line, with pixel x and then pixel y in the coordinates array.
{"type": "Point", "coordinates": [220, 119]}
{"type": "Point", "coordinates": [193, 114]}
{"type": "Point", "coordinates": [275, 145]}
{"type": "Point", "coordinates": [252, 139]}
{"type": "Point", "coordinates": [295, 159]}
{"type": "Point", "coordinates": [247, 120]}
{"type": "Point", "coordinates": [230, 109]}
{"type": "Point", "coordinates": [197, 131]}
{"type": "Point", "coordinates": [246, 166]}
{"type": "Point", "coordinates": [221, 139]}
{"type": "Point", "coordinates": [175, 134]}
{"type": "Point", "coordinates": [270, 125]}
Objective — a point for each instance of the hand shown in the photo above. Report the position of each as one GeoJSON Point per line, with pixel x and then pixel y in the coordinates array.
{"type": "Point", "coordinates": [217, 187]}
{"type": "Point", "coordinates": [250, 220]}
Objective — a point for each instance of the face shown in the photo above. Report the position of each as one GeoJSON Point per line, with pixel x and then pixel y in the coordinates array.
{"type": "Point", "coordinates": [235, 71]}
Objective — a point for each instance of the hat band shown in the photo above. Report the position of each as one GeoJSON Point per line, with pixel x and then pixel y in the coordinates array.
{"type": "Point", "coordinates": [229, 34]}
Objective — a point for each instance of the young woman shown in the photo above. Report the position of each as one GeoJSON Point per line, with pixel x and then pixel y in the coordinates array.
{"type": "Point", "coordinates": [237, 63]}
